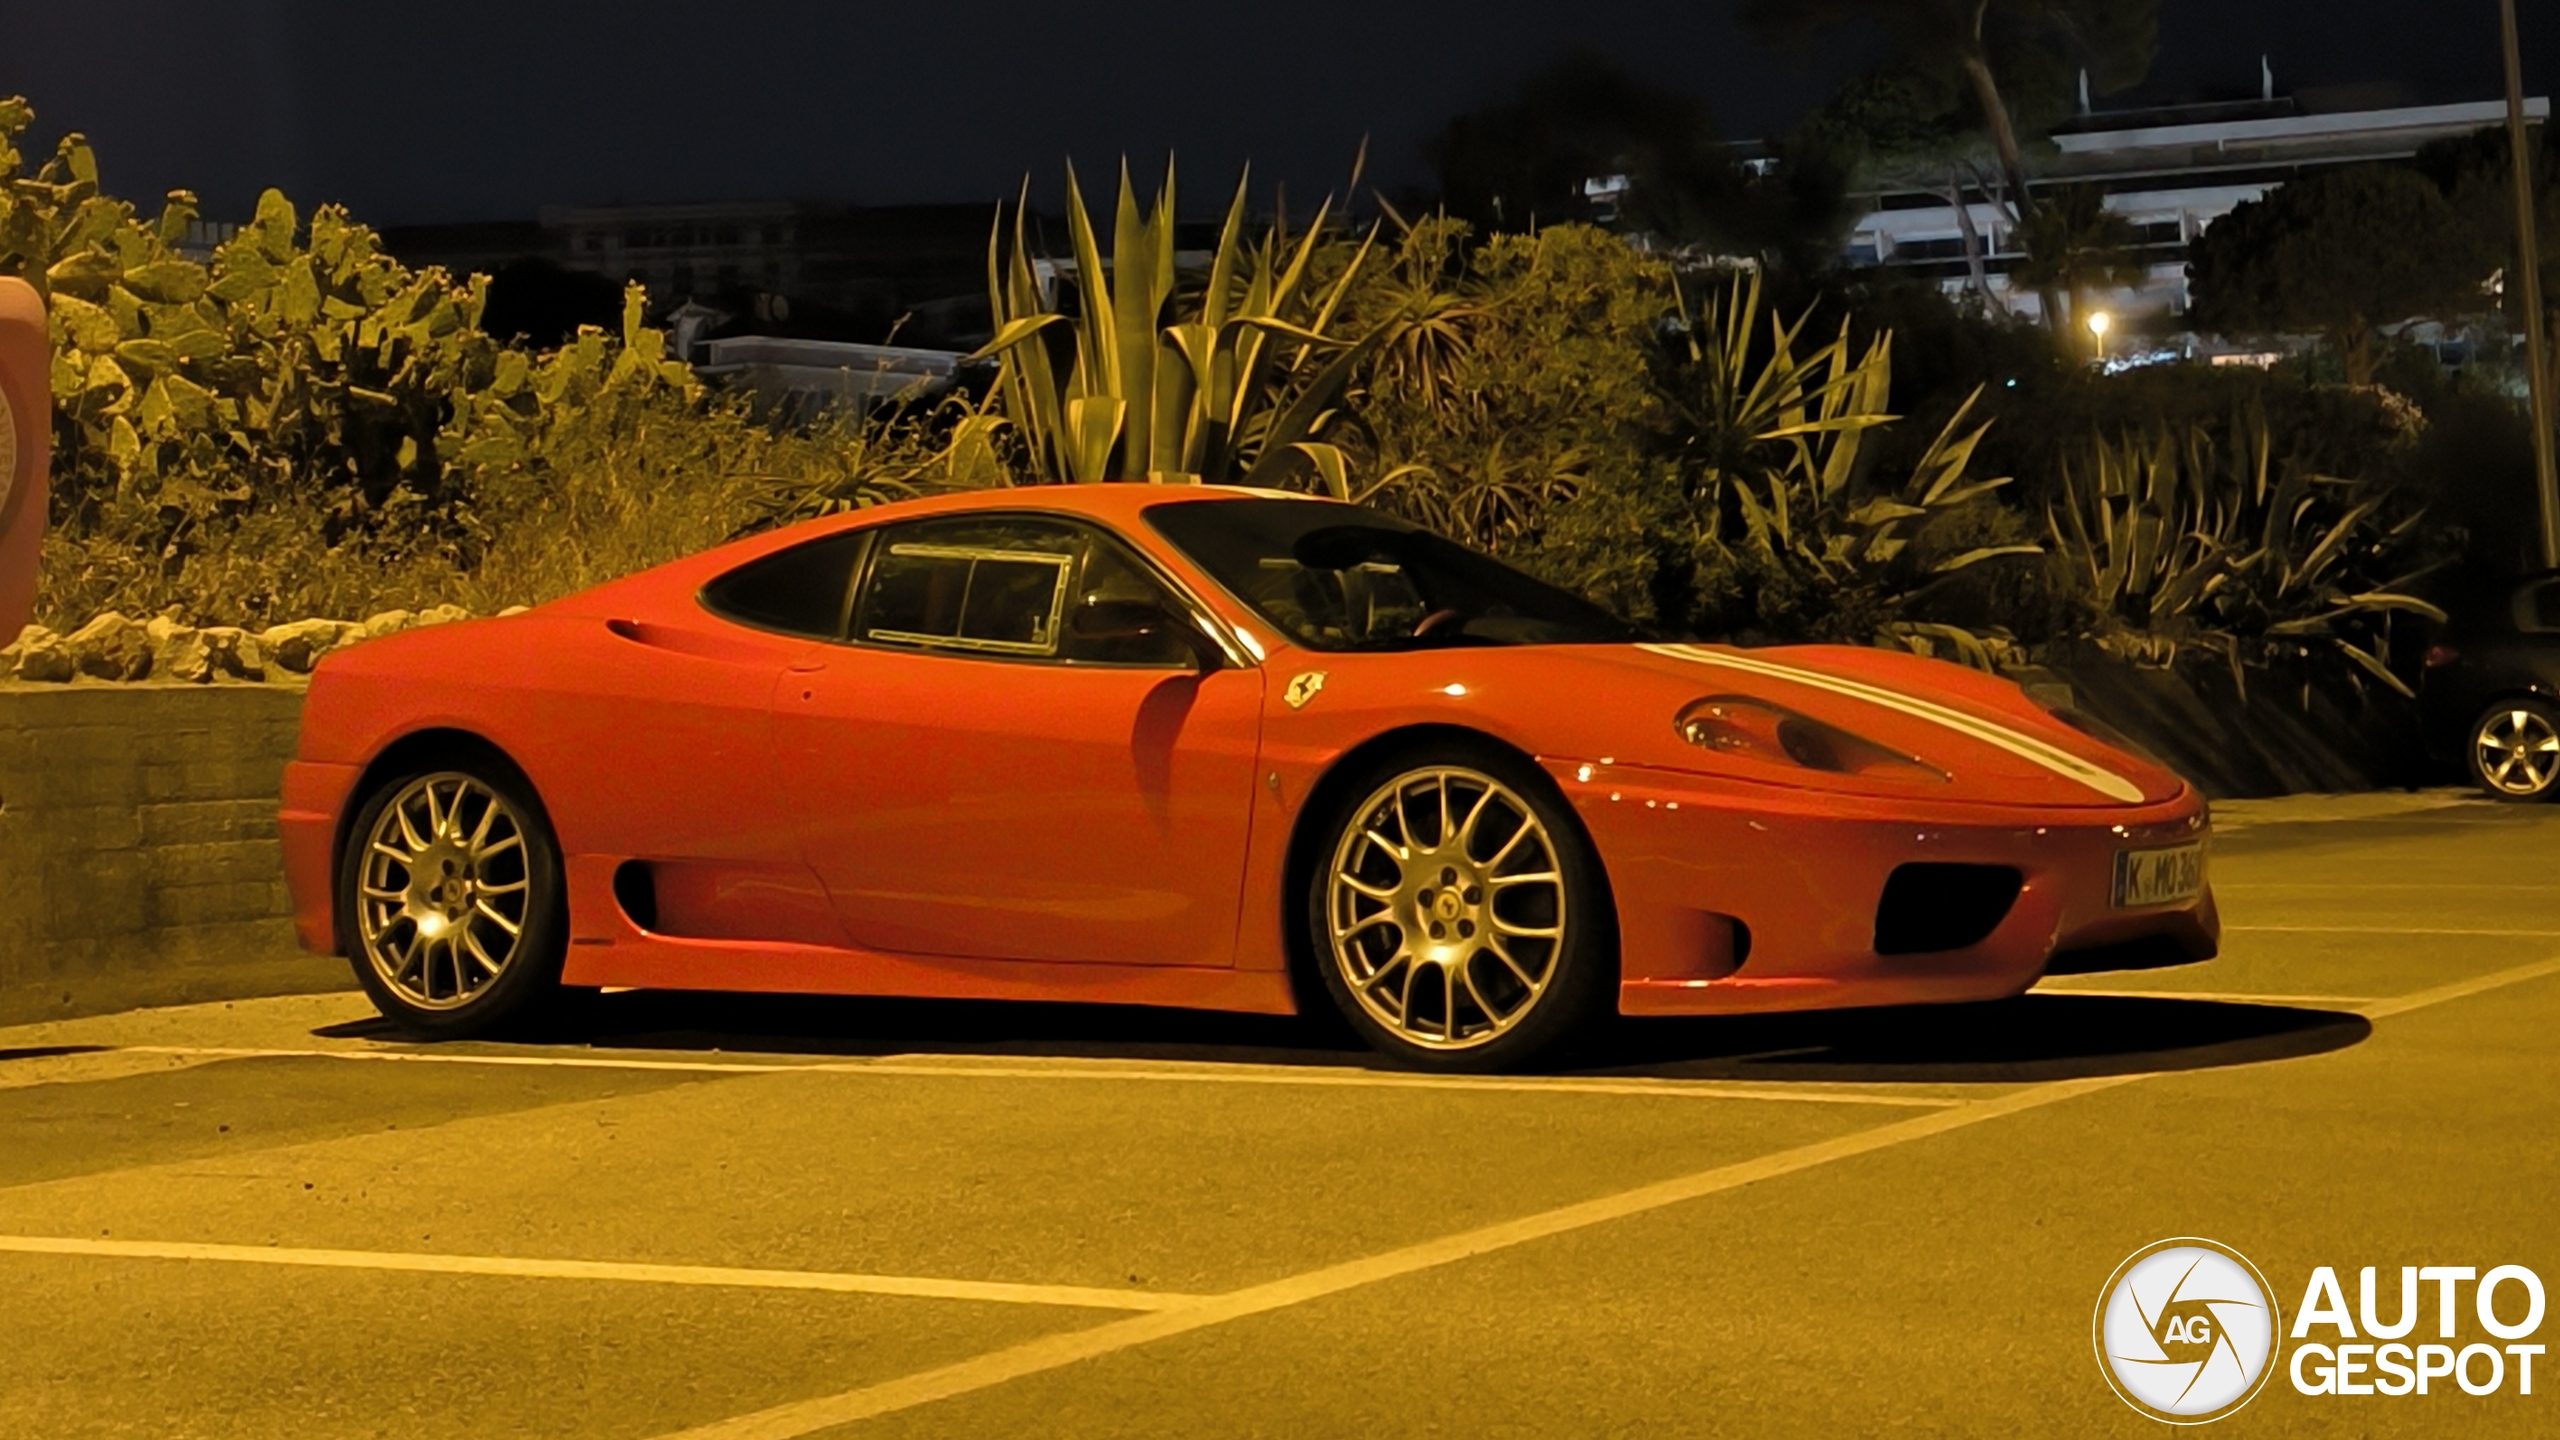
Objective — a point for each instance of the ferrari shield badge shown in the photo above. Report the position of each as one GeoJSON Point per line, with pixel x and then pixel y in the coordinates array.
{"type": "Point", "coordinates": [1303, 689]}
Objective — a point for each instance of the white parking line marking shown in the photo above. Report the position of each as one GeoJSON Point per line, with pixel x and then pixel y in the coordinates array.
{"type": "Point", "coordinates": [2427, 886]}
{"type": "Point", "coordinates": [2383, 930]}
{"type": "Point", "coordinates": [786, 1422]}
{"type": "Point", "coordinates": [802, 1417]}
{"type": "Point", "coordinates": [2458, 989]}
{"type": "Point", "coordinates": [925, 1287]}
{"type": "Point", "coordinates": [961, 1070]}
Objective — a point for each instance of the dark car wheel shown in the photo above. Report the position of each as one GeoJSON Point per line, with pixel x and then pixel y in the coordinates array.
{"type": "Point", "coordinates": [2514, 750]}
{"type": "Point", "coordinates": [456, 913]}
{"type": "Point", "coordinates": [1458, 914]}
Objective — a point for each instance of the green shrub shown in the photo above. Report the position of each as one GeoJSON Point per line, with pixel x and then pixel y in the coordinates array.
{"type": "Point", "coordinates": [1511, 372]}
{"type": "Point", "coordinates": [1769, 510]}
{"type": "Point", "coordinates": [304, 426]}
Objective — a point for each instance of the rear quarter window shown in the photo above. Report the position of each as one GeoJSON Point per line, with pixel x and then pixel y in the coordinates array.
{"type": "Point", "coordinates": [804, 590]}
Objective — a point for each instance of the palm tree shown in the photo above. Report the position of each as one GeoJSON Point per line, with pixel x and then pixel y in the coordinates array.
{"type": "Point", "coordinates": [2075, 245]}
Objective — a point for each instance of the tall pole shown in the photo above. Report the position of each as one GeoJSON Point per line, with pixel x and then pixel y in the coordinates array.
{"type": "Point", "coordinates": [2529, 269]}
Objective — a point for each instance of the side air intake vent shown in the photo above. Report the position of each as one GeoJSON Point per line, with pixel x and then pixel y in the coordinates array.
{"type": "Point", "coordinates": [1930, 907]}
{"type": "Point", "coordinates": [636, 891]}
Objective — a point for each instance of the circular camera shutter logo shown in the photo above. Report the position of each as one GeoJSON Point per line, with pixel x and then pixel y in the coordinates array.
{"type": "Point", "coordinates": [2186, 1331]}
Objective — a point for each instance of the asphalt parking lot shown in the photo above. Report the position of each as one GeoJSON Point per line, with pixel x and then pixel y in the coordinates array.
{"type": "Point", "coordinates": [757, 1218]}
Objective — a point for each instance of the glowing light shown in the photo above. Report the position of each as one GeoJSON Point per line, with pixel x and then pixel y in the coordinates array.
{"type": "Point", "coordinates": [2100, 322]}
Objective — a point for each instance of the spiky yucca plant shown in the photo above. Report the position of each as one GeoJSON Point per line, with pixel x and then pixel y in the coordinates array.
{"type": "Point", "coordinates": [2177, 544]}
{"type": "Point", "coordinates": [1232, 382]}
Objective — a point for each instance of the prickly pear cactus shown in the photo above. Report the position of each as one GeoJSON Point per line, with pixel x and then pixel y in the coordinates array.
{"type": "Point", "coordinates": [300, 364]}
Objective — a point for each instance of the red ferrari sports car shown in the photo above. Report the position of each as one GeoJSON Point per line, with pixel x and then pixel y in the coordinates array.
{"type": "Point", "coordinates": [1200, 747]}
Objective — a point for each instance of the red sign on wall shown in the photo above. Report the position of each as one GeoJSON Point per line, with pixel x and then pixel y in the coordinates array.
{"type": "Point", "coordinates": [26, 434]}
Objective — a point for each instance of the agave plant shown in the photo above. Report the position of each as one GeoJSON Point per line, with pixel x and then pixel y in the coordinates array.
{"type": "Point", "coordinates": [1428, 358]}
{"type": "Point", "coordinates": [2177, 545]}
{"type": "Point", "coordinates": [1233, 382]}
{"type": "Point", "coordinates": [1771, 509]}
{"type": "Point", "coordinates": [1787, 438]}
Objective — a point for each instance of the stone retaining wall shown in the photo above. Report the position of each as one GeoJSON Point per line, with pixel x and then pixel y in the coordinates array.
{"type": "Point", "coordinates": [138, 854]}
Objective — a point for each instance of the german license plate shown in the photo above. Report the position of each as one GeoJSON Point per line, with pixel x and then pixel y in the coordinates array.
{"type": "Point", "coordinates": [2158, 877]}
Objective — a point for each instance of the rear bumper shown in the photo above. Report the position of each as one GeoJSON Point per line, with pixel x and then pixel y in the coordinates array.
{"type": "Point", "coordinates": [315, 795]}
{"type": "Point", "coordinates": [1697, 865]}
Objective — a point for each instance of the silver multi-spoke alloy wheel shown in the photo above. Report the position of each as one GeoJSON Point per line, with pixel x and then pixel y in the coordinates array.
{"type": "Point", "coordinates": [1445, 908]}
{"type": "Point", "coordinates": [444, 891]}
{"type": "Point", "coordinates": [2516, 750]}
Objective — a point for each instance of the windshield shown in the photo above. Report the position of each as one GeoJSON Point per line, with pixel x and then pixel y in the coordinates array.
{"type": "Point", "coordinates": [1337, 577]}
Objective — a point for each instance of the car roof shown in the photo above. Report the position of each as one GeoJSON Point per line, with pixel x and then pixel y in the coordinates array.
{"type": "Point", "coordinates": [1115, 500]}
{"type": "Point", "coordinates": [1116, 504]}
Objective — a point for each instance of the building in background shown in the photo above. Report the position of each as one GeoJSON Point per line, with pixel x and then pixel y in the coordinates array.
{"type": "Point", "coordinates": [868, 274]}
{"type": "Point", "coordinates": [2170, 171]}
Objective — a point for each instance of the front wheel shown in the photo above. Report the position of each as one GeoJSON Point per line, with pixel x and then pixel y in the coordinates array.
{"type": "Point", "coordinates": [1459, 916]}
{"type": "Point", "coordinates": [2515, 750]}
{"type": "Point", "coordinates": [452, 884]}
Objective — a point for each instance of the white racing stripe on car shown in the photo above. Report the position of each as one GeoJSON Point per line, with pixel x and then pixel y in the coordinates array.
{"type": "Point", "coordinates": [1068, 1069]}
{"type": "Point", "coordinates": [2061, 762]}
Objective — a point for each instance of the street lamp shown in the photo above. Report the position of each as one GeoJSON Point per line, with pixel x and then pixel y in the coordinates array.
{"type": "Point", "coordinates": [2546, 464]}
{"type": "Point", "coordinates": [2099, 320]}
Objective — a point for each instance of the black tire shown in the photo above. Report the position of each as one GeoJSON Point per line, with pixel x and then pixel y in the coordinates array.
{"type": "Point", "coordinates": [1465, 921]}
{"type": "Point", "coordinates": [424, 941]}
{"type": "Point", "coordinates": [2512, 751]}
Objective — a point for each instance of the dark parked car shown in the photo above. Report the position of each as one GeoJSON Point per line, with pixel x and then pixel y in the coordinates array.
{"type": "Point", "coordinates": [2491, 697]}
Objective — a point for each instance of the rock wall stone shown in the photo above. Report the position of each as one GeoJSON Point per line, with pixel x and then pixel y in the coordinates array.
{"type": "Point", "coordinates": [117, 647]}
{"type": "Point", "coordinates": [138, 855]}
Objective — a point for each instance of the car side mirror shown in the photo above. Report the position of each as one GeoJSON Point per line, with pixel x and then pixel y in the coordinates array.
{"type": "Point", "coordinates": [1143, 619]}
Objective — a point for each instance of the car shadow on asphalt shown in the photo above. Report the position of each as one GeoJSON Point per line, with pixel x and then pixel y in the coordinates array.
{"type": "Point", "coordinates": [2029, 1039]}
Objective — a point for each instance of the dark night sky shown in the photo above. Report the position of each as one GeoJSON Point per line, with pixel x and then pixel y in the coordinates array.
{"type": "Point", "coordinates": [485, 109]}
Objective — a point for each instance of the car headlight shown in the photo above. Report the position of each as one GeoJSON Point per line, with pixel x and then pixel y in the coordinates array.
{"type": "Point", "coordinates": [1757, 729]}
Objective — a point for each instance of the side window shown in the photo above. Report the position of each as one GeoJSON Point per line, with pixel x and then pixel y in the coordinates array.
{"type": "Point", "coordinates": [1112, 579]}
{"type": "Point", "coordinates": [1017, 586]}
{"type": "Point", "coordinates": [800, 591]}
{"type": "Point", "coordinates": [2538, 607]}
{"type": "Point", "coordinates": [994, 587]}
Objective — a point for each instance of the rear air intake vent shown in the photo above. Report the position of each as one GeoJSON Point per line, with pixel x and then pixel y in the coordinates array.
{"type": "Point", "coordinates": [1942, 907]}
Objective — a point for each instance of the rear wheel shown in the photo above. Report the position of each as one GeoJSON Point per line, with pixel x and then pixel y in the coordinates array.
{"type": "Point", "coordinates": [2515, 750]}
{"type": "Point", "coordinates": [1459, 917]}
{"type": "Point", "coordinates": [452, 884]}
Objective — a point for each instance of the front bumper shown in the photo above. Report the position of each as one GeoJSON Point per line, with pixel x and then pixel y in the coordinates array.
{"type": "Point", "coordinates": [1697, 865]}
